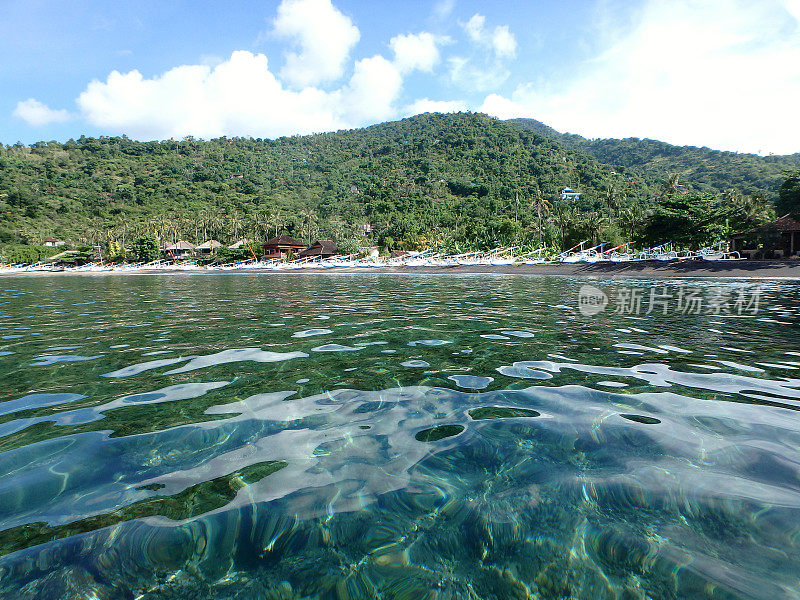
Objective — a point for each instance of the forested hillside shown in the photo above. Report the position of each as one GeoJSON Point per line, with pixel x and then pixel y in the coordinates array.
{"type": "Point", "coordinates": [698, 169]}
{"type": "Point", "coordinates": [457, 181]}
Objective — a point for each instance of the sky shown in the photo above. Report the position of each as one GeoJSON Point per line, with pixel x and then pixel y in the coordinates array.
{"type": "Point", "coordinates": [718, 73]}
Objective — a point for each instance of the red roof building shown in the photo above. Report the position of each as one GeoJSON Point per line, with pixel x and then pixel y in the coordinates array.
{"type": "Point", "coordinates": [279, 247]}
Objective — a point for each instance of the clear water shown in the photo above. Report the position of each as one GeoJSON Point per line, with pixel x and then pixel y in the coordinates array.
{"type": "Point", "coordinates": [372, 436]}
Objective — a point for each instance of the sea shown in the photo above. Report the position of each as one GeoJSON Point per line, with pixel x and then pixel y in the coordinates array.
{"type": "Point", "coordinates": [373, 436]}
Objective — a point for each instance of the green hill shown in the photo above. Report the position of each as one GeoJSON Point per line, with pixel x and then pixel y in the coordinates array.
{"type": "Point", "coordinates": [464, 173]}
{"type": "Point", "coordinates": [456, 181]}
{"type": "Point", "coordinates": [700, 169]}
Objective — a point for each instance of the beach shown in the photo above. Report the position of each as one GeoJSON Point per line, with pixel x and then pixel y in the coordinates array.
{"type": "Point", "coordinates": [743, 269]}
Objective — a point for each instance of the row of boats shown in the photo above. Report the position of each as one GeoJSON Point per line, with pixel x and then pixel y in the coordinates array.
{"type": "Point", "coordinates": [579, 253]}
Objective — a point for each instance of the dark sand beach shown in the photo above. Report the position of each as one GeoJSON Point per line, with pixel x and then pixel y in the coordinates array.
{"type": "Point", "coordinates": [745, 269]}
{"type": "Point", "coordinates": [658, 269]}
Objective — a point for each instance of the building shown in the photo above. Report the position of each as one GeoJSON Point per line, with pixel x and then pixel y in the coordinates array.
{"type": "Point", "coordinates": [208, 247]}
{"type": "Point", "coordinates": [777, 239]}
{"type": "Point", "coordinates": [569, 194]}
{"type": "Point", "coordinates": [179, 249]}
{"type": "Point", "coordinates": [239, 244]}
{"type": "Point", "coordinates": [53, 242]}
{"type": "Point", "coordinates": [279, 247]}
{"type": "Point", "coordinates": [321, 248]}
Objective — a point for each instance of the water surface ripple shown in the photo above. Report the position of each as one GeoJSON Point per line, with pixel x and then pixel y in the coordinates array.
{"type": "Point", "coordinates": [442, 437]}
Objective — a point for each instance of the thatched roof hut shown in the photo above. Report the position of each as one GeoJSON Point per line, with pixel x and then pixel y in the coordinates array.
{"type": "Point", "coordinates": [321, 248]}
{"type": "Point", "coordinates": [179, 248]}
{"type": "Point", "coordinates": [782, 236]}
{"type": "Point", "coordinates": [208, 246]}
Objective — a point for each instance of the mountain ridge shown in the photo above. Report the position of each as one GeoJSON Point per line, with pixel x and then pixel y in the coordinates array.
{"type": "Point", "coordinates": [463, 179]}
{"type": "Point", "coordinates": [692, 162]}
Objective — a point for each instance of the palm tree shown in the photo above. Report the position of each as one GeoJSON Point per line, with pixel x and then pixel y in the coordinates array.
{"type": "Point", "coordinates": [542, 206]}
{"type": "Point", "coordinates": [277, 219]}
{"type": "Point", "coordinates": [671, 185]}
{"type": "Point", "coordinates": [564, 217]}
{"type": "Point", "coordinates": [261, 223]}
{"type": "Point", "coordinates": [612, 197]}
{"type": "Point", "coordinates": [593, 224]}
{"type": "Point", "coordinates": [748, 211]}
{"type": "Point", "coordinates": [235, 222]}
{"type": "Point", "coordinates": [308, 217]}
{"type": "Point", "coordinates": [629, 219]}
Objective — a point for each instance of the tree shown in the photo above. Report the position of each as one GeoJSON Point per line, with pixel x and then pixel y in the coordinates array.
{"type": "Point", "coordinates": [747, 212]}
{"type": "Point", "coordinates": [671, 184]}
{"type": "Point", "coordinates": [612, 196]}
{"type": "Point", "coordinates": [565, 217]}
{"type": "Point", "coordinates": [592, 224]}
{"type": "Point", "coordinates": [145, 248]}
{"type": "Point", "coordinates": [308, 216]}
{"type": "Point", "coordinates": [789, 195]}
{"type": "Point", "coordinates": [542, 206]}
{"type": "Point", "coordinates": [691, 220]}
{"type": "Point", "coordinates": [630, 219]}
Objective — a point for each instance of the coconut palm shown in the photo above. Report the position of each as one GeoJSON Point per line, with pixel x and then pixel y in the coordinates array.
{"type": "Point", "coordinates": [542, 206]}
{"type": "Point", "coordinates": [234, 222]}
{"type": "Point", "coordinates": [672, 185]}
{"type": "Point", "coordinates": [612, 197]}
{"type": "Point", "coordinates": [593, 224]}
{"type": "Point", "coordinates": [629, 219]}
{"type": "Point", "coordinates": [564, 216]}
{"type": "Point", "coordinates": [277, 220]}
{"type": "Point", "coordinates": [308, 216]}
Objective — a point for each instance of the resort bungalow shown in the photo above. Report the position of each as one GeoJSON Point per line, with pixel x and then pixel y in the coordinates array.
{"type": "Point", "coordinates": [779, 239]}
{"type": "Point", "coordinates": [52, 242]}
{"type": "Point", "coordinates": [569, 194]}
{"type": "Point", "coordinates": [179, 249]}
{"type": "Point", "coordinates": [279, 247]}
{"type": "Point", "coordinates": [208, 247]}
{"type": "Point", "coordinates": [238, 244]}
{"type": "Point", "coordinates": [320, 248]}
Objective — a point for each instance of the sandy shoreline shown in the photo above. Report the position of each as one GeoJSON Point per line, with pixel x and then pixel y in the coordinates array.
{"type": "Point", "coordinates": [750, 269]}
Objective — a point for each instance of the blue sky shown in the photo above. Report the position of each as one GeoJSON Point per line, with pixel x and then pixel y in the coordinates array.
{"type": "Point", "coordinates": [721, 73]}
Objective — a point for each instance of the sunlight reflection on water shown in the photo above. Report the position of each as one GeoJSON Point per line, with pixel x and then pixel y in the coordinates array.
{"type": "Point", "coordinates": [453, 437]}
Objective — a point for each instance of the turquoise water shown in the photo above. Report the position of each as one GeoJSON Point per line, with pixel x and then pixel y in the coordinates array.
{"type": "Point", "coordinates": [375, 436]}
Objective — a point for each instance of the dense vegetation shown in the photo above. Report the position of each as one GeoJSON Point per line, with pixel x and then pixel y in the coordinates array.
{"type": "Point", "coordinates": [697, 169]}
{"type": "Point", "coordinates": [456, 182]}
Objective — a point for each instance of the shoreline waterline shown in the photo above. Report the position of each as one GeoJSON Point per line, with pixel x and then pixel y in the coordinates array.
{"type": "Point", "coordinates": [649, 269]}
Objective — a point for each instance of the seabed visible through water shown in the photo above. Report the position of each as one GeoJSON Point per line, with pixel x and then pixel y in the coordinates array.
{"type": "Point", "coordinates": [396, 437]}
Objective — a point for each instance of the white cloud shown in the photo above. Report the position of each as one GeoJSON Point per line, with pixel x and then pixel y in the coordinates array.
{"type": "Point", "coordinates": [372, 90]}
{"type": "Point", "coordinates": [504, 108]}
{"type": "Point", "coordinates": [474, 27]}
{"type": "Point", "coordinates": [793, 6]}
{"type": "Point", "coordinates": [499, 40]}
{"type": "Point", "coordinates": [240, 96]}
{"type": "Point", "coordinates": [481, 77]}
{"type": "Point", "coordinates": [486, 69]}
{"type": "Point", "coordinates": [714, 73]}
{"type": "Point", "coordinates": [416, 51]}
{"type": "Point", "coordinates": [504, 42]}
{"type": "Point", "coordinates": [38, 114]}
{"type": "Point", "coordinates": [443, 9]}
{"type": "Point", "coordinates": [425, 105]}
{"type": "Point", "coordinates": [325, 38]}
